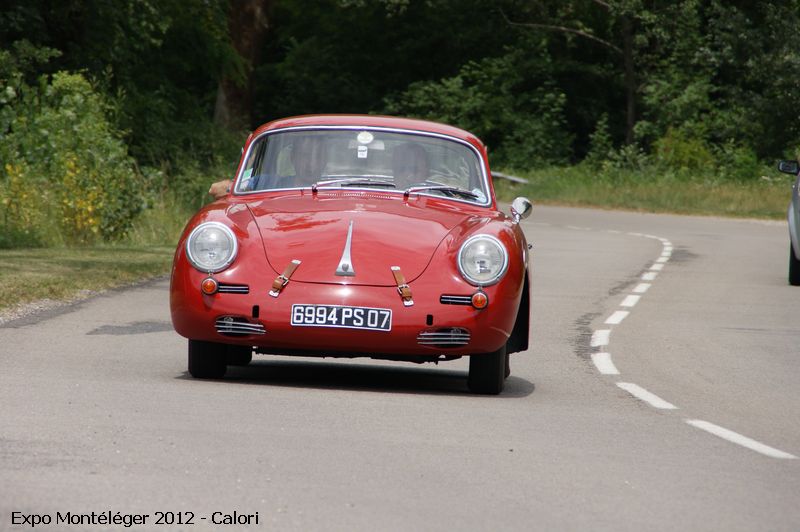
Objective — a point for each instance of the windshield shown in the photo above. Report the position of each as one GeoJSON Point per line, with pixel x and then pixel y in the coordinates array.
{"type": "Point", "coordinates": [363, 158]}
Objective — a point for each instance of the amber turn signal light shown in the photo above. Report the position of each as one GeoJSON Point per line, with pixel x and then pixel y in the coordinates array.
{"type": "Point", "coordinates": [209, 286]}
{"type": "Point", "coordinates": [480, 300]}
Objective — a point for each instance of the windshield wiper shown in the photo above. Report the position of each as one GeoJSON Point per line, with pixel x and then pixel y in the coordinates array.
{"type": "Point", "coordinates": [444, 189]}
{"type": "Point", "coordinates": [353, 182]}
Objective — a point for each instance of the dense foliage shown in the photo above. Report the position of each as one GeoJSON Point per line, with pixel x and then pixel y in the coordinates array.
{"type": "Point", "coordinates": [68, 177]}
{"type": "Point", "coordinates": [108, 108]}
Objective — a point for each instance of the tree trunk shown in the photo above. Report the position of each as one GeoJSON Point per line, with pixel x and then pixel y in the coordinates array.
{"type": "Point", "coordinates": [247, 26]}
{"type": "Point", "coordinates": [630, 79]}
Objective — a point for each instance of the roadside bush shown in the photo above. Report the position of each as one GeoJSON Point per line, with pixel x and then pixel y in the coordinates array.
{"type": "Point", "coordinates": [738, 163]}
{"type": "Point", "coordinates": [68, 178]}
{"type": "Point", "coordinates": [630, 158]}
{"type": "Point", "coordinates": [681, 152]}
{"type": "Point", "coordinates": [161, 223]}
{"type": "Point", "coordinates": [21, 207]}
{"type": "Point", "coordinates": [601, 145]}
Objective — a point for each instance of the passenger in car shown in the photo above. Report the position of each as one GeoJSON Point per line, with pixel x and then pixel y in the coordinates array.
{"type": "Point", "coordinates": [410, 165]}
{"type": "Point", "coordinates": [308, 158]}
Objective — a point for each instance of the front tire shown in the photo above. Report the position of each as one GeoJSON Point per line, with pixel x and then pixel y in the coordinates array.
{"type": "Point", "coordinates": [239, 355]}
{"type": "Point", "coordinates": [207, 360]}
{"type": "Point", "coordinates": [794, 267]}
{"type": "Point", "coordinates": [487, 373]}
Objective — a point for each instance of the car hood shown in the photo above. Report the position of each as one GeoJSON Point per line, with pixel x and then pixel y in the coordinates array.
{"type": "Point", "coordinates": [386, 232]}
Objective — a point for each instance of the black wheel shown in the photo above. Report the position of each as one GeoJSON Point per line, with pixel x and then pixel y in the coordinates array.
{"type": "Point", "coordinates": [487, 373]}
{"type": "Point", "coordinates": [207, 360]}
{"type": "Point", "coordinates": [239, 355]}
{"type": "Point", "coordinates": [508, 365]}
{"type": "Point", "coordinates": [794, 268]}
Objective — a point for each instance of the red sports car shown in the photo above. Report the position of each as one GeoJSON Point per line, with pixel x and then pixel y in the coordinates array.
{"type": "Point", "coordinates": [356, 236]}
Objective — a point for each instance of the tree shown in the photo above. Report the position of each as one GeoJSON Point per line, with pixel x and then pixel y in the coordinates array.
{"type": "Point", "coordinates": [248, 23]}
{"type": "Point", "coordinates": [620, 21]}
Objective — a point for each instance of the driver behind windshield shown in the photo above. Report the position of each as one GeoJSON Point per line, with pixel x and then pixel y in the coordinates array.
{"type": "Point", "coordinates": [308, 158]}
{"type": "Point", "coordinates": [307, 155]}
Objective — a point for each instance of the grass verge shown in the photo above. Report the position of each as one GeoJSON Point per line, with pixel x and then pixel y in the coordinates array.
{"type": "Point", "coordinates": [64, 273]}
{"type": "Point", "coordinates": [766, 197]}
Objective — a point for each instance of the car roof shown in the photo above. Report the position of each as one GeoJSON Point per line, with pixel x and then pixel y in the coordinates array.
{"type": "Point", "coordinates": [371, 121]}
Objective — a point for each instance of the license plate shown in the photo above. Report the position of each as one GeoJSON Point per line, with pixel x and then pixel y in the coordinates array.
{"type": "Point", "coordinates": [375, 319]}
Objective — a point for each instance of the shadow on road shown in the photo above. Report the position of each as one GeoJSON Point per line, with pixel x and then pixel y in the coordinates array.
{"type": "Point", "coordinates": [361, 377]}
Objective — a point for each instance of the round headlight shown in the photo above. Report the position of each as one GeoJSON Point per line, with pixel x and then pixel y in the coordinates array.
{"type": "Point", "coordinates": [211, 247]}
{"type": "Point", "coordinates": [482, 260]}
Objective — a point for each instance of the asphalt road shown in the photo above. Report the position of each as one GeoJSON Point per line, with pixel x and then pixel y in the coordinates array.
{"type": "Point", "coordinates": [97, 413]}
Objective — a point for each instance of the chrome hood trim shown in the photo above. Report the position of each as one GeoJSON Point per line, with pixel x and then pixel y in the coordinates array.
{"type": "Point", "coordinates": [345, 267]}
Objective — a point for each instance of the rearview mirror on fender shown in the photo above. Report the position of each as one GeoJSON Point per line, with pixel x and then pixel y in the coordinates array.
{"type": "Point", "coordinates": [521, 208]}
{"type": "Point", "coordinates": [789, 167]}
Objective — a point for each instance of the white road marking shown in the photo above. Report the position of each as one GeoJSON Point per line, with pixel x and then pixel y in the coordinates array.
{"type": "Point", "coordinates": [649, 398]}
{"type": "Point", "coordinates": [641, 288]}
{"type": "Point", "coordinates": [630, 301]}
{"type": "Point", "coordinates": [603, 363]}
{"type": "Point", "coordinates": [735, 437]}
{"type": "Point", "coordinates": [600, 337]}
{"type": "Point", "coordinates": [617, 317]}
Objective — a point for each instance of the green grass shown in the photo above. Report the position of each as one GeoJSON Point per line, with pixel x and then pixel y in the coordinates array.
{"type": "Point", "coordinates": [766, 197]}
{"type": "Point", "coordinates": [64, 273]}
{"type": "Point", "coordinates": [161, 224]}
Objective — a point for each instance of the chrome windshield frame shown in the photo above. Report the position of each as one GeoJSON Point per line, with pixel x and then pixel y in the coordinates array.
{"type": "Point", "coordinates": [483, 168]}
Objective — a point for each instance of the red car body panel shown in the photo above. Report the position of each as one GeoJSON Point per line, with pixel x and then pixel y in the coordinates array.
{"type": "Point", "coordinates": [310, 227]}
{"type": "Point", "coordinates": [419, 233]}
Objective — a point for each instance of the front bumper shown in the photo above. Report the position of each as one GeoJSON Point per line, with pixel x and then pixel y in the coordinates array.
{"type": "Point", "coordinates": [429, 328]}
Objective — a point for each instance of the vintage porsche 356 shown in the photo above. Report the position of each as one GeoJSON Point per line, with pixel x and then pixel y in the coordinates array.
{"type": "Point", "coordinates": [356, 236]}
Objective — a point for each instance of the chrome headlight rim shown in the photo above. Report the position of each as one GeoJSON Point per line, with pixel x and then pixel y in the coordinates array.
{"type": "Point", "coordinates": [494, 280]}
{"type": "Point", "coordinates": [229, 233]}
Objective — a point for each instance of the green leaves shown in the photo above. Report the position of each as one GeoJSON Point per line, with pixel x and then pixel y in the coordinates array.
{"type": "Point", "coordinates": [68, 176]}
{"type": "Point", "coordinates": [523, 124]}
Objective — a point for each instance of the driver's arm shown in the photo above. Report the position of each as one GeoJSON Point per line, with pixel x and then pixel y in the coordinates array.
{"type": "Point", "coordinates": [220, 189]}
